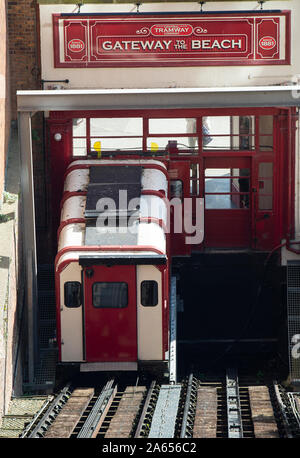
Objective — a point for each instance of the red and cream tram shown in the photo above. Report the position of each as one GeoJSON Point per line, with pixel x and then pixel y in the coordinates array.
{"type": "Point", "coordinates": [112, 275]}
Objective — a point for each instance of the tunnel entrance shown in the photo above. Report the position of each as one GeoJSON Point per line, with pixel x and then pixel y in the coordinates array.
{"type": "Point", "coordinates": [231, 306]}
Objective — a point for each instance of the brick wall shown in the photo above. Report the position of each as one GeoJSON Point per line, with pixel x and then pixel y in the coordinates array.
{"type": "Point", "coordinates": [24, 58]}
{"type": "Point", "coordinates": [23, 47]}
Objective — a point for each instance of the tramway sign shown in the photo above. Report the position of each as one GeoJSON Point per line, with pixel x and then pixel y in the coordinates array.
{"type": "Point", "coordinates": [135, 40]}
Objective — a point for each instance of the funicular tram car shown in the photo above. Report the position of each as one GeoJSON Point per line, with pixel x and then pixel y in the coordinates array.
{"type": "Point", "coordinates": [112, 273]}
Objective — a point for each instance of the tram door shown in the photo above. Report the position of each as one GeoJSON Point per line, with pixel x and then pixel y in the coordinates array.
{"type": "Point", "coordinates": [110, 313]}
{"type": "Point", "coordinates": [228, 202]}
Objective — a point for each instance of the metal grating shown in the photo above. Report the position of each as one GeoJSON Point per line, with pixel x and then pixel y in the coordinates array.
{"type": "Point", "coordinates": [165, 414]}
{"type": "Point", "coordinates": [46, 333]}
{"type": "Point", "coordinates": [47, 306]}
{"type": "Point", "coordinates": [293, 315]}
{"type": "Point", "coordinates": [46, 370]}
{"type": "Point", "coordinates": [45, 277]}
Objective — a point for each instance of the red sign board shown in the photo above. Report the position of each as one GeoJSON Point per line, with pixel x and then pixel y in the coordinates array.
{"type": "Point", "coordinates": [141, 40]}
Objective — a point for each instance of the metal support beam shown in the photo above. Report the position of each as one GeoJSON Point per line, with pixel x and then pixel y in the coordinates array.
{"type": "Point", "coordinates": [28, 237]}
{"type": "Point", "coordinates": [162, 98]}
{"type": "Point", "coordinates": [173, 333]}
{"type": "Point", "coordinates": [45, 2]}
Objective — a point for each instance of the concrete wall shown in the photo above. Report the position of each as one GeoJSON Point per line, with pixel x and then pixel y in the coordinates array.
{"type": "Point", "coordinates": [10, 282]}
{"type": "Point", "coordinates": [18, 53]}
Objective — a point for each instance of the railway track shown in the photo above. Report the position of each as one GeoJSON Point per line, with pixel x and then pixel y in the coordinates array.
{"type": "Point", "coordinates": [226, 406]}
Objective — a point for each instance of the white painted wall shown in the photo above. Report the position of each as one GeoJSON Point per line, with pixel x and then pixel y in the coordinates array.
{"type": "Point", "coordinates": [173, 76]}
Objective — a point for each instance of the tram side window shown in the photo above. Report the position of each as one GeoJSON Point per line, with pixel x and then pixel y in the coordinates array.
{"type": "Point", "coordinates": [110, 295]}
{"type": "Point", "coordinates": [176, 189]}
{"type": "Point", "coordinates": [79, 137]}
{"type": "Point", "coordinates": [72, 290]}
{"type": "Point", "coordinates": [233, 133]}
{"type": "Point", "coordinates": [149, 293]}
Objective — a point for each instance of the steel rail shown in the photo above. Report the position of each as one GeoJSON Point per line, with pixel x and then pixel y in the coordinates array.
{"type": "Point", "coordinates": [145, 410]}
{"type": "Point", "coordinates": [36, 417]}
{"type": "Point", "coordinates": [296, 413]}
{"type": "Point", "coordinates": [96, 416]}
{"type": "Point", "coordinates": [50, 414]}
{"type": "Point", "coordinates": [234, 415]}
{"type": "Point", "coordinates": [282, 409]}
{"type": "Point", "coordinates": [189, 410]}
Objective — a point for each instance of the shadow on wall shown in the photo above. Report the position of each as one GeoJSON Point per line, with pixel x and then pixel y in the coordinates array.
{"type": "Point", "coordinates": [4, 262]}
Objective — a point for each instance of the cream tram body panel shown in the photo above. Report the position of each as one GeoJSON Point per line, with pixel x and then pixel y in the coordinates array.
{"type": "Point", "coordinates": [71, 321]}
{"type": "Point", "coordinates": [150, 325]}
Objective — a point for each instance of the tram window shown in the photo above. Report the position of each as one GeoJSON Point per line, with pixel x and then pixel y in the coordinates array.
{"type": "Point", "coordinates": [265, 170]}
{"type": "Point", "coordinates": [79, 127]}
{"type": "Point", "coordinates": [227, 189]}
{"type": "Point", "coordinates": [79, 136]}
{"type": "Point", "coordinates": [266, 133]}
{"type": "Point", "coordinates": [161, 128]}
{"type": "Point", "coordinates": [113, 144]}
{"type": "Point", "coordinates": [176, 189]}
{"type": "Point", "coordinates": [110, 294]}
{"type": "Point", "coordinates": [265, 202]}
{"type": "Point", "coordinates": [244, 126]}
{"type": "Point", "coordinates": [161, 143]}
{"type": "Point", "coordinates": [72, 291]}
{"type": "Point", "coordinates": [116, 134]}
{"type": "Point", "coordinates": [266, 125]}
{"type": "Point", "coordinates": [226, 201]}
{"type": "Point", "coordinates": [227, 185]}
{"type": "Point", "coordinates": [149, 293]}
{"type": "Point", "coordinates": [172, 126]}
{"type": "Point", "coordinates": [220, 173]}
{"type": "Point", "coordinates": [79, 147]}
{"type": "Point", "coordinates": [266, 142]}
{"type": "Point", "coordinates": [218, 125]}
{"type": "Point", "coordinates": [115, 127]}
{"type": "Point", "coordinates": [229, 133]}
